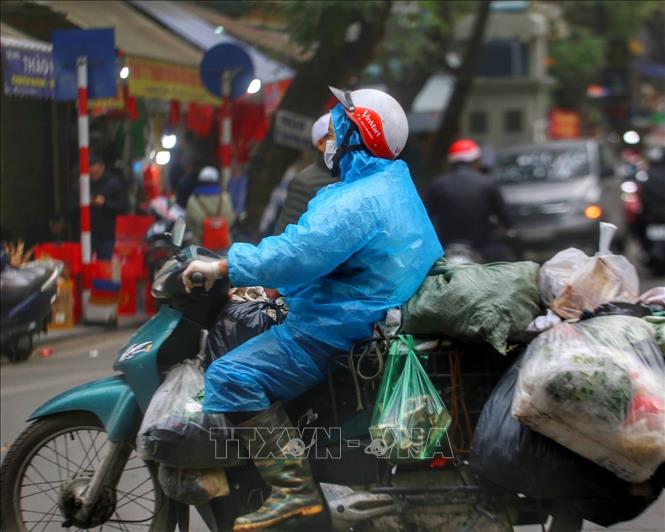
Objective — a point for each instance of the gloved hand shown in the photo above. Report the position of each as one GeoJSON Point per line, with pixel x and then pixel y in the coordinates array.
{"type": "Point", "coordinates": [210, 270]}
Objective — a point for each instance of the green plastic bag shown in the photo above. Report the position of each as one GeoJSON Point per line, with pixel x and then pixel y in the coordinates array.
{"type": "Point", "coordinates": [409, 418]}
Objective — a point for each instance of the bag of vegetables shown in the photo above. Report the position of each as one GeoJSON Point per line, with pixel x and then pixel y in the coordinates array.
{"type": "Point", "coordinates": [409, 418]}
{"type": "Point", "coordinates": [598, 388]}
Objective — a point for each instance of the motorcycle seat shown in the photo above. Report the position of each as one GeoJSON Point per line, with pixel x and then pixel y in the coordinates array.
{"type": "Point", "coordinates": [16, 284]}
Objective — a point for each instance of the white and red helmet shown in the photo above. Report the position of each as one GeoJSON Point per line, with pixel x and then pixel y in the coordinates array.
{"type": "Point", "coordinates": [381, 121]}
{"type": "Point", "coordinates": [464, 151]}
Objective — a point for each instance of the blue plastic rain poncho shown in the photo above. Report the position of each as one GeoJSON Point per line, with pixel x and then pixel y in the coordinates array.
{"type": "Point", "coordinates": [364, 245]}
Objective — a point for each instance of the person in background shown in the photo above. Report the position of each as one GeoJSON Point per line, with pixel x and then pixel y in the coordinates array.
{"type": "Point", "coordinates": [108, 199]}
{"type": "Point", "coordinates": [208, 200]}
{"type": "Point", "coordinates": [463, 203]}
{"type": "Point", "coordinates": [278, 196]}
{"type": "Point", "coordinates": [304, 186]}
{"type": "Point", "coordinates": [185, 184]}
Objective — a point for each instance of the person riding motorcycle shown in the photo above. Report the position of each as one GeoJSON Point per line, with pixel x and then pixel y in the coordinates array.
{"type": "Point", "coordinates": [463, 202]}
{"type": "Point", "coordinates": [364, 245]}
{"type": "Point", "coordinates": [651, 217]}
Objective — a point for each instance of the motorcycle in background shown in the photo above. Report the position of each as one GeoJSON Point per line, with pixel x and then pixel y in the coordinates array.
{"type": "Point", "coordinates": [27, 293]}
{"type": "Point", "coordinates": [644, 208]}
{"type": "Point", "coordinates": [157, 238]}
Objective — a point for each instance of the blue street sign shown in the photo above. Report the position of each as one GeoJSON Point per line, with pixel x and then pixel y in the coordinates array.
{"type": "Point", "coordinates": [227, 57]}
{"type": "Point", "coordinates": [98, 46]}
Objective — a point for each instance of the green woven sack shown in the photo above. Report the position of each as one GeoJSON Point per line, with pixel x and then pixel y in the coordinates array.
{"type": "Point", "coordinates": [475, 302]}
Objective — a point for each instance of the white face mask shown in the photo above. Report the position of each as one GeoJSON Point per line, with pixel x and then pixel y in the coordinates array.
{"type": "Point", "coordinates": [329, 153]}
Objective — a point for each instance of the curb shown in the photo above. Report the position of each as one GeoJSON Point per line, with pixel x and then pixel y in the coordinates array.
{"type": "Point", "coordinates": [82, 331]}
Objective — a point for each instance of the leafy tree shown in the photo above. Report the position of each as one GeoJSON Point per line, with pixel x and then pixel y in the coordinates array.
{"type": "Point", "coordinates": [576, 63]}
{"type": "Point", "coordinates": [343, 36]}
{"type": "Point", "coordinates": [401, 43]}
{"type": "Point", "coordinates": [598, 37]}
{"type": "Point", "coordinates": [465, 74]}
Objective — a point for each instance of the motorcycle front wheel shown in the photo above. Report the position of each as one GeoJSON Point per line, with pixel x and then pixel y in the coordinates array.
{"type": "Point", "coordinates": [54, 459]}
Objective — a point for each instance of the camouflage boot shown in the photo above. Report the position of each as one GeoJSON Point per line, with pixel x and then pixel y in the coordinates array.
{"type": "Point", "coordinates": [294, 493]}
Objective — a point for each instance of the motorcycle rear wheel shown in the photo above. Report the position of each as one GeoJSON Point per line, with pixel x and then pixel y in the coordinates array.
{"type": "Point", "coordinates": [20, 348]}
{"type": "Point", "coordinates": [44, 464]}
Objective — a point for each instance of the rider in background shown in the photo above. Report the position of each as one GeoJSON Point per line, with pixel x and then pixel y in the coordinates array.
{"type": "Point", "coordinates": [309, 181]}
{"type": "Point", "coordinates": [463, 202]}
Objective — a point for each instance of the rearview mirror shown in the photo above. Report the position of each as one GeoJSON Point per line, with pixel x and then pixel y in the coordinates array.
{"type": "Point", "coordinates": [179, 231]}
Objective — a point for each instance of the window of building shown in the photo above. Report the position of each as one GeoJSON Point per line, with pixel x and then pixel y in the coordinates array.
{"type": "Point", "coordinates": [477, 122]}
{"type": "Point", "coordinates": [512, 121]}
{"type": "Point", "coordinates": [504, 58]}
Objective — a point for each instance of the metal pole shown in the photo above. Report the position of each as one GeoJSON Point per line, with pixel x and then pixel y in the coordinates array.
{"type": "Point", "coordinates": [84, 157]}
{"type": "Point", "coordinates": [225, 142]}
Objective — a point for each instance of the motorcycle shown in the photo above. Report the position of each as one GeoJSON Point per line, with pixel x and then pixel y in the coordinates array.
{"type": "Point", "coordinates": [652, 215]}
{"type": "Point", "coordinates": [158, 244]}
{"type": "Point", "coordinates": [76, 464]}
{"type": "Point", "coordinates": [27, 294]}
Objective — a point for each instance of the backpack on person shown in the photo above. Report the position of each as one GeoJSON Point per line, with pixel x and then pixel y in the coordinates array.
{"type": "Point", "coordinates": [215, 227]}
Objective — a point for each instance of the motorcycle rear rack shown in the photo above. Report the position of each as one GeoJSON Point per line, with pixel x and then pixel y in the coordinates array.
{"type": "Point", "coordinates": [485, 369]}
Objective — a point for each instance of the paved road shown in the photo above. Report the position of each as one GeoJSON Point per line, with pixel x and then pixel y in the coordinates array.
{"type": "Point", "coordinates": [23, 387]}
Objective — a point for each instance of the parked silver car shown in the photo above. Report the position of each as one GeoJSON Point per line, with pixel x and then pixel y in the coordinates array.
{"type": "Point", "coordinates": [557, 192]}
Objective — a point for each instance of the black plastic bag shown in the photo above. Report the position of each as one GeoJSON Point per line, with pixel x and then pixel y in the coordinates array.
{"type": "Point", "coordinates": [618, 308]}
{"type": "Point", "coordinates": [193, 441]}
{"type": "Point", "coordinates": [176, 431]}
{"type": "Point", "coordinates": [238, 322]}
{"type": "Point", "coordinates": [512, 456]}
{"type": "Point", "coordinates": [193, 486]}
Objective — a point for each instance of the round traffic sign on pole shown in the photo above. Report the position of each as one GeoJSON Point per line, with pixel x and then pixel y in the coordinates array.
{"type": "Point", "coordinates": [226, 71]}
{"type": "Point", "coordinates": [229, 59]}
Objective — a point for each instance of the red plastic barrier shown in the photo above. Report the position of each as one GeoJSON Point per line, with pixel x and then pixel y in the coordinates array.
{"type": "Point", "coordinates": [98, 269]}
{"type": "Point", "coordinates": [67, 252]}
{"type": "Point", "coordinates": [132, 228]}
{"type": "Point", "coordinates": [131, 256]}
{"type": "Point", "coordinates": [127, 303]}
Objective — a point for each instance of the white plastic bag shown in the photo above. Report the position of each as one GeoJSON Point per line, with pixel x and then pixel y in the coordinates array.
{"type": "Point", "coordinates": [543, 323]}
{"type": "Point", "coordinates": [654, 296]}
{"type": "Point", "coordinates": [175, 430]}
{"type": "Point", "coordinates": [598, 388]}
{"type": "Point", "coordinates": [571, 282]}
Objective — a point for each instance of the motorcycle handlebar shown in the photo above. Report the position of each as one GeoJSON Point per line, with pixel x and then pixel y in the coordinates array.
{"type": "Point", "coordinates": [197, 279]}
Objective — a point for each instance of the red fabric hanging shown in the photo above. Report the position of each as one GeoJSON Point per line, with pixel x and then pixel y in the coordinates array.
{"type": "Point", "coordinates": [131, 109]}
{"type": "Point", "coordinates": [174, 112]}
{"type": "Point", "coordinates": [151, 181]}
{"type": "Point", "coordinates": [250, 125]}
{"type": "Point", "coordinates": [199, 119]}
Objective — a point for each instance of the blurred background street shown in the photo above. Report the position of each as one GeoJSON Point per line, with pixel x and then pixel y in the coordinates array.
{"type": "Point", "coordinates": [529, 122]}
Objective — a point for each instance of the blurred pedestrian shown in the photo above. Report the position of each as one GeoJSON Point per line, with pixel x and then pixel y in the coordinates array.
{"type": "Point", "coordinates": [464, 202]}
{"type": "Point", "coordinates": [108, 199]}
{"type": "Point", "coordinates": [304, 186]}
{"type": "Point", "coordinates": [278, 197]}
{"type": "Point", "coordinates": [185, 184]}
{"type": "Point", "coordinates": [210, 213]}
